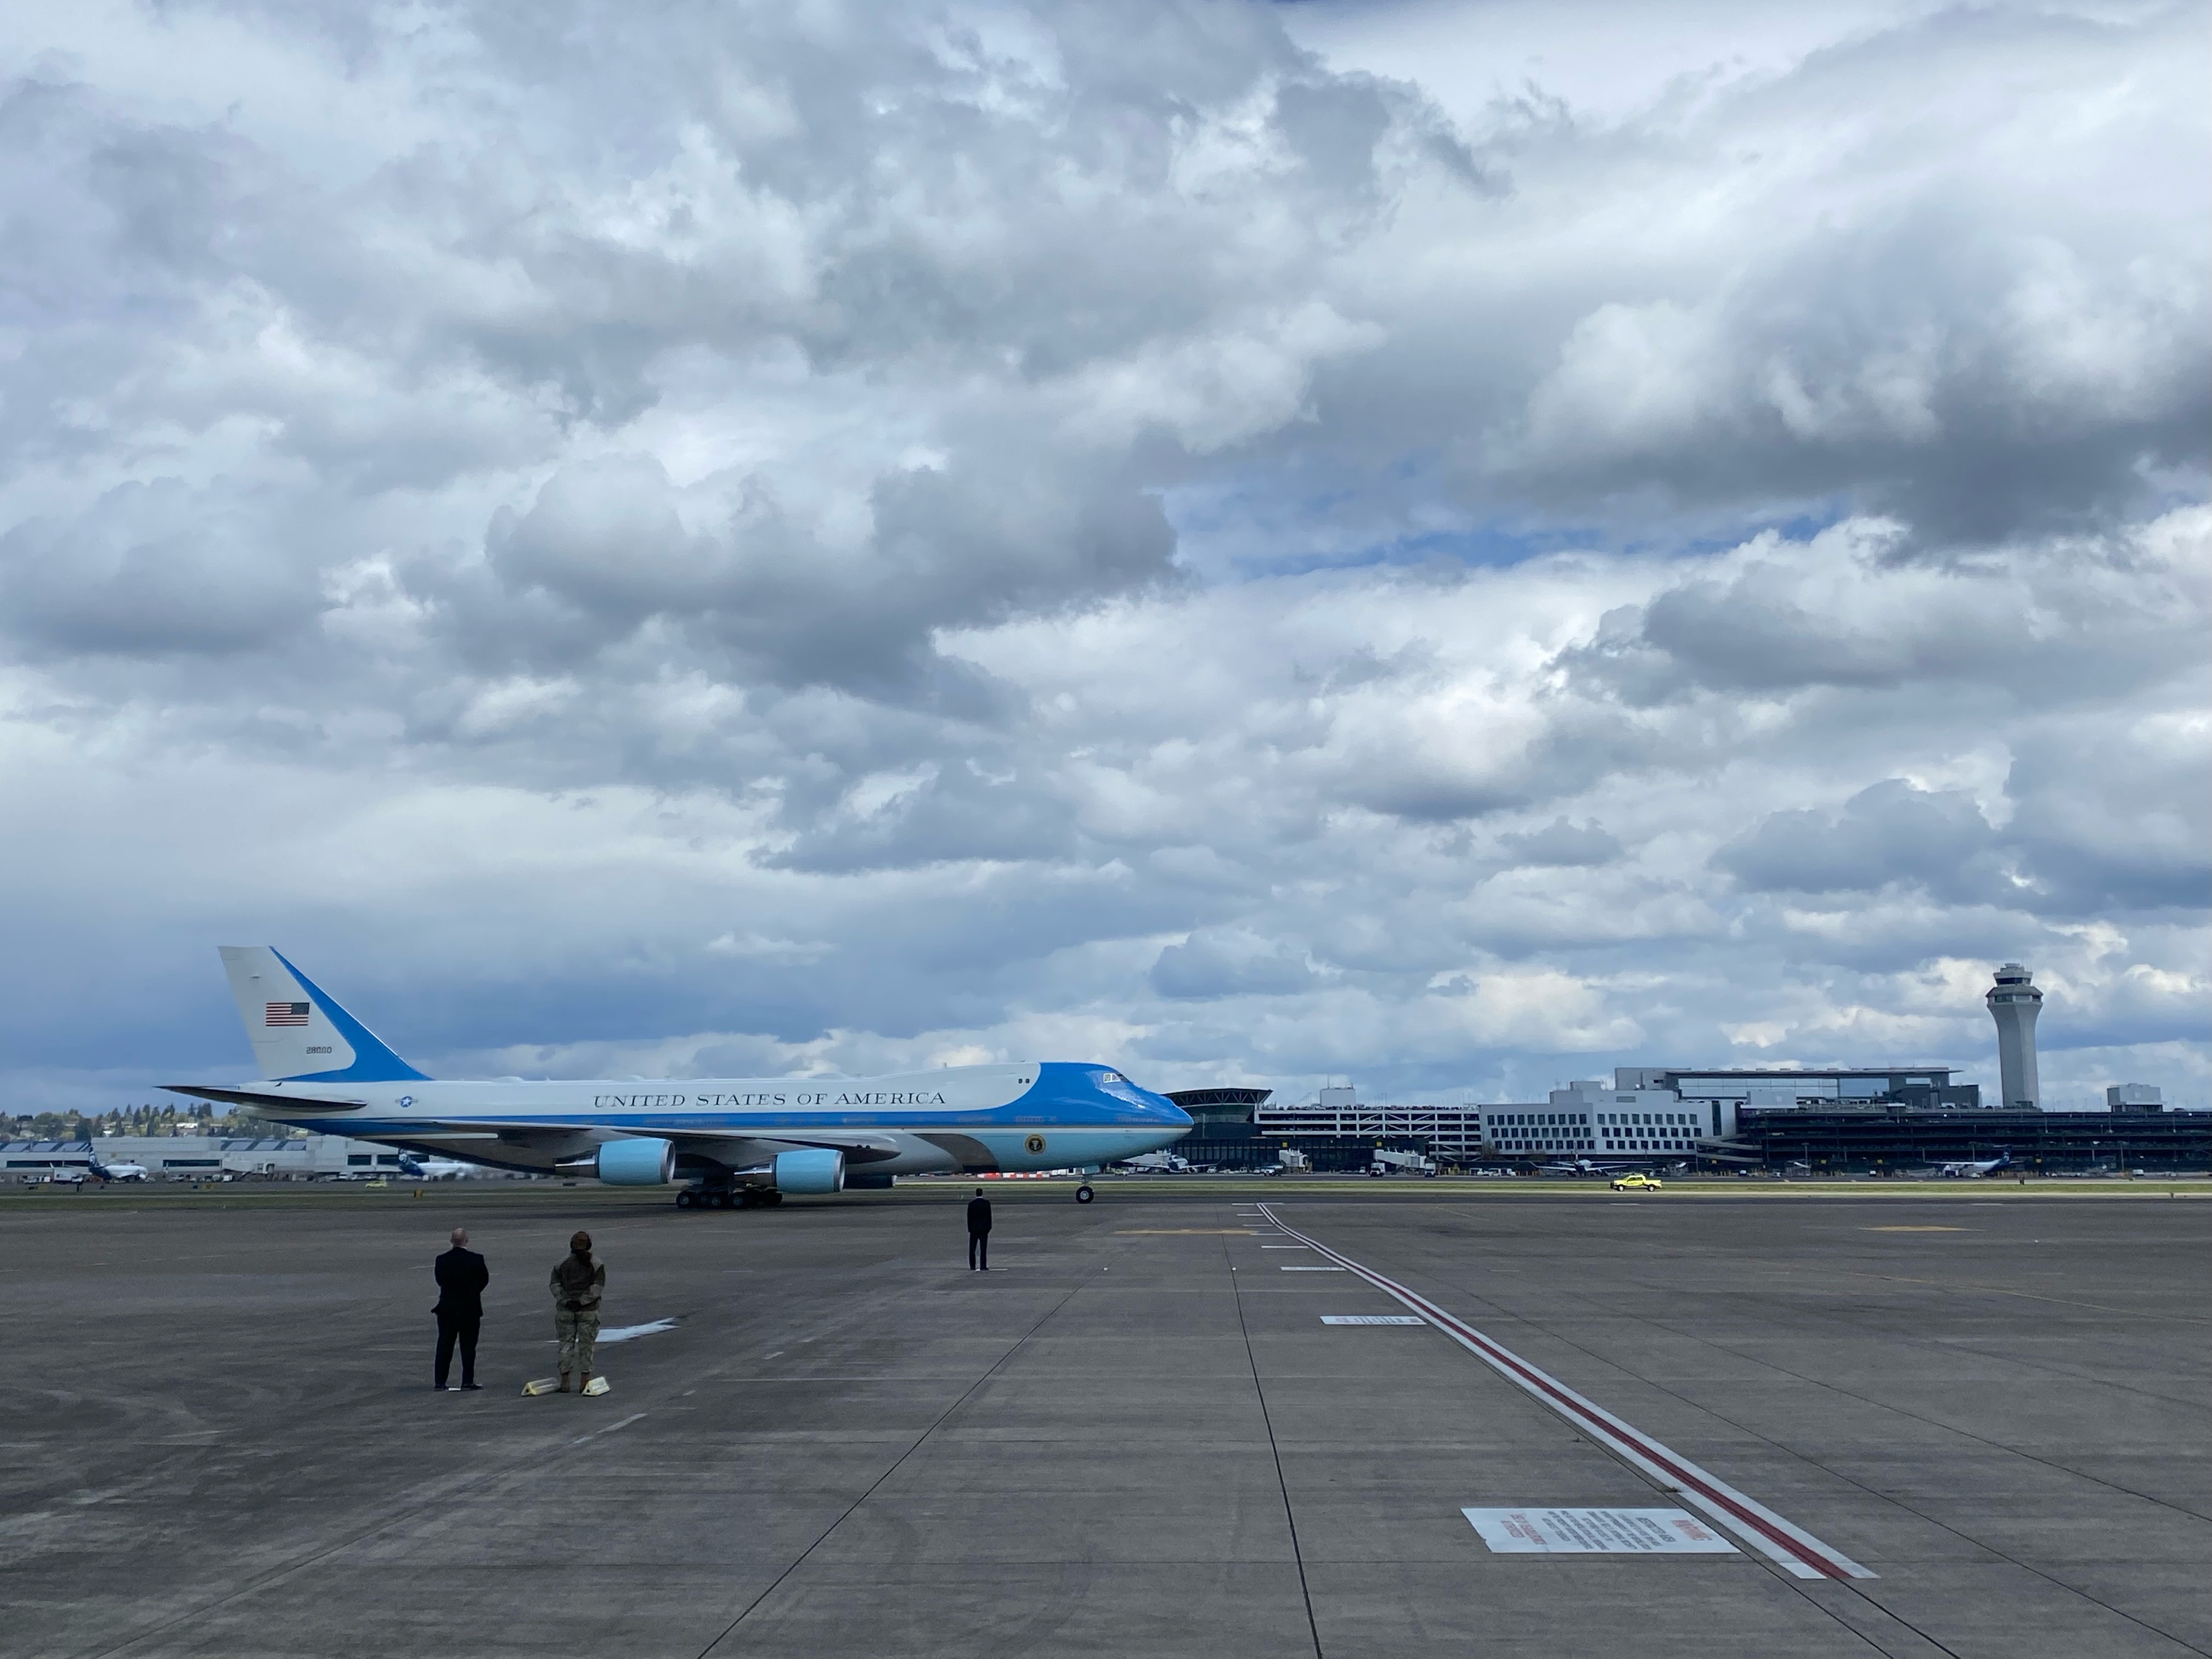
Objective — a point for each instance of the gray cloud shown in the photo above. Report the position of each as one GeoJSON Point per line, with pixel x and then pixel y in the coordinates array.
{"type": "Point", "coordinates": [1560, 843]}
{"type": "Point", "coordinates": [154, 568]}
{"type": "Point", "coordinates": [604, 541]}
{"type": "Point", "coordinates": [1206, 967]}
{"type": "Point", "coordinates": [1889, 833]}
{"type": "Point", "coordinates": [1933, 354]}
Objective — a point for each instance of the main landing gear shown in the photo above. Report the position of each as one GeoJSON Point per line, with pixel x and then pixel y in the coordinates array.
{"type": "Point", "coordinates": [1084, 1194]}
{"type": "Point", "coordinates": [726, 1198]}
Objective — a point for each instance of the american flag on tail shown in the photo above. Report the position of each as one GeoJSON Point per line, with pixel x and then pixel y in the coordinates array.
{"type": "Point", "coordinates": [286, 1013]}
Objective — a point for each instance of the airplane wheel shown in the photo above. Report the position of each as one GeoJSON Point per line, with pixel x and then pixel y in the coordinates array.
{"type": "Point", "coordinates": [683, 1199]}
{"type": "Point", "coordinates": [772, 1199]}
{"type": "Point", "coordinates": [1084, 1194]}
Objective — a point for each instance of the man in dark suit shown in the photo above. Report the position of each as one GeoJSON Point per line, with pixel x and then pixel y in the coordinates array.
{"type": "Point", "coordinates": [979, 1232]}
{"type": "Point", "coordinates": [461, 1276]}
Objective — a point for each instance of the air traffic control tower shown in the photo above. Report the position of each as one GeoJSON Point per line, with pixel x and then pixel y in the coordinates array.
{"type": "Point", "coordinates": [2014, 1004]}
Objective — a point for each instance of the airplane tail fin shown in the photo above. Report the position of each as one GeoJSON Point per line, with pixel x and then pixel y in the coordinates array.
{"type": "Point", "coordinates": [299, 1033]}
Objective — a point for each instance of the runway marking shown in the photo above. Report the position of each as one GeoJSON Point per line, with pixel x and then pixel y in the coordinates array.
{"type": "Point", "coordinates": [610, 1429]}
{"type": "Point", "coordinates": [1182, 1232]}
{"type": "Point", "coordinates": [1371, 1319]}
{"type": "Point", "coordinates": [1916, 1230]}
{"type": "Point", "coordinates": [1286, 1247]}
{"type": "Point", "coordinates": [1791, 1546]}
{"type": "Point", "coordinates": [1596, 1532]}
{"type": "Point", "coordinates": [1314, 1270]}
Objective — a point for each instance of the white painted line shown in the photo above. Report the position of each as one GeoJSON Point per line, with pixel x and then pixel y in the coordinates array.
{"type": "Point", "coordinates": [1596, 1532]}
{"type": "Point", "coordinates": [610, 1429]}
{"type": "Point", "coordinates": [1313, 1270]}
{"type": "Point", "coordinates": [1264, 1247]}
{"type": "Point", "coordinates": [1790, 1545]}
{"type": "Point", "coordinates": [624, 1332]}
{"type": "Point", "coordinates": [1371, 1319]}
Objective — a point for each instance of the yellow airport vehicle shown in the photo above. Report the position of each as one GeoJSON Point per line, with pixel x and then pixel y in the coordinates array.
{"type": "Point", "coordinates": [1637, 1183]}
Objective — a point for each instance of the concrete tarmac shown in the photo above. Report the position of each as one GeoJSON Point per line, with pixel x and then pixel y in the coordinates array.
{"type": "Point", "coordinates": [1135, 1437]}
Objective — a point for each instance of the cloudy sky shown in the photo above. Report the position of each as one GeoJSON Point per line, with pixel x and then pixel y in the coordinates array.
{"type": "Point", "coordinates": [1452, 545]}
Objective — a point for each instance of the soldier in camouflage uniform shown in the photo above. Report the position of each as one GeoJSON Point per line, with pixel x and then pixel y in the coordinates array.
{"type": "Point", "coordinates": [578, 1283]}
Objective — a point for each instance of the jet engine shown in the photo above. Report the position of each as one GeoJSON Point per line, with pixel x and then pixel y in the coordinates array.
{"type": "Point", "coordinates": [643, 1161]}
{"type": "Point", "coordinates": [814, 1169]}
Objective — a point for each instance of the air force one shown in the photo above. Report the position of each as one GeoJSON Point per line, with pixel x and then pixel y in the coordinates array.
{"type": "Point", "coordinates": [733, 1141]}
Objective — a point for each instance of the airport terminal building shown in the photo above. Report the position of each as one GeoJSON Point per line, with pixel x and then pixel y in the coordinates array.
{"type": "Point", "coordinates": [1871, 1119]}
{"type": "Point", "coordinates": [1863, 1119]}
{"type": "Point", "coordinates": [1583, 1120]}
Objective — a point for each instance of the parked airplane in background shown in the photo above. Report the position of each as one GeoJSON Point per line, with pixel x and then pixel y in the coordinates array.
{"type": "Point", "coordinates": [116, 1171]}
{"type": "Point", "coordinates": [1582, 1166]}
{"type": "Point", "coordinates": [1967, 1169]}
{"type": "Point", "coordinates": [739, 1141]}
{"type": "Point", "coordinates": [1157, 1163]}
{"type": "Point", "coordinates": [433, 1168]}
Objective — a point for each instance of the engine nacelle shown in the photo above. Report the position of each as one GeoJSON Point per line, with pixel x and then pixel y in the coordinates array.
{"type": "Point", "coordinates": [812, 1169]}
{"type": "Point", "coordinates": [643, 1161]}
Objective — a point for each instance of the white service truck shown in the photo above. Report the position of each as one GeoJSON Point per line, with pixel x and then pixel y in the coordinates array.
{"type": "Point", "coordinates": [1386, 1162]}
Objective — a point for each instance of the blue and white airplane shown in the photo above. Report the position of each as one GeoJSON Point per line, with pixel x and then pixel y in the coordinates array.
{"type": "Point", "coordinates": [736, 1141]}
{"type": "Point", "coordinates": [435, 1168]}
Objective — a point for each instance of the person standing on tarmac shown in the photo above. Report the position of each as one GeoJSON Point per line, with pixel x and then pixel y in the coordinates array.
{"type": "Point", "coordinates": [461, 1276]}
{"type": "Point", "coordinates": [578, 1283]}
{"type": "Point", "coordinates": [979, 1232]}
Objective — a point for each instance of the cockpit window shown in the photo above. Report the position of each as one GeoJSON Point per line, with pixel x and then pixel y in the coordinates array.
{"type": "Point", "coordinates": [1114, 1084]}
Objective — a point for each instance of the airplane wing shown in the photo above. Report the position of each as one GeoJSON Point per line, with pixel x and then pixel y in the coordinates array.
{"type": "Point", "coordinates": [263, 1098]}
{"type": "Point", "coordinates": [859, 1145]}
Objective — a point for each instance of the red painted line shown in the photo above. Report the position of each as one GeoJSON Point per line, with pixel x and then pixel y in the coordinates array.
{"type": "Point", "coordinates": [1794, 1548]}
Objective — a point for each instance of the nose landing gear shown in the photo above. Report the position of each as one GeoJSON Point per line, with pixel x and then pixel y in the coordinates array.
{"type": "Point", "coordinates": [1084, 1194]}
